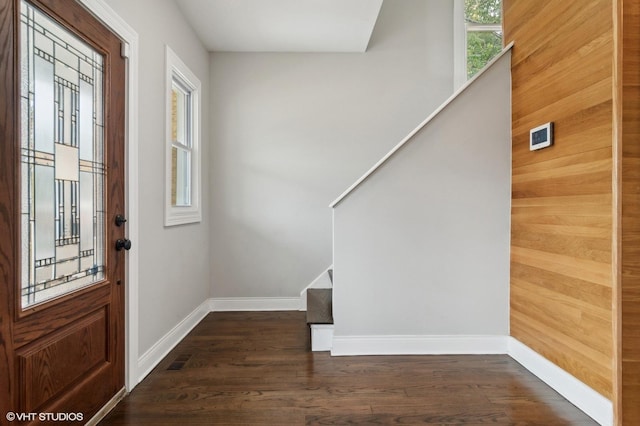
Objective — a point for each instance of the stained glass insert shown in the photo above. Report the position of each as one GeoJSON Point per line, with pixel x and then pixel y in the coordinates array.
{"type": "Point", "coordinates": [62, 160]}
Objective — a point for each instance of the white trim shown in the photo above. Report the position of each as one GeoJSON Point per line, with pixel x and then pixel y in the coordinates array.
{"type": "Point", "coordinates": [112, 20]}
{"type": "Point", "coordinates": [228, 304]}
{"type": "Point", "coordinates": [102, 413]}
{"type": "Point", "coordinates": [579, 394]}
{"type": "Point", "coordinates": [483, 27]}
{"type": "Point", "coordinates": [162, 347]}
{"type": "Point", "coordinates": [434, 114]}
{"type": "Point", "coordinates": [575, 391]}
{"type": "Point", "coordinates": [176, 70]}
{"type": "Point", "coordinates": [419, 345]}
{"type": "Point", "coordinates": [459, 45]}
{"type": "Point", "coordinates": [124, 50]}
{"type": "Point", "coordinates": [150, 359]}
{"type": "Point", "coordinates": [321, 337]}
{"type": "Point", "coordinates": [321, 281]}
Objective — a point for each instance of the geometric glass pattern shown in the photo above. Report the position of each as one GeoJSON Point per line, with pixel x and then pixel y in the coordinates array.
{"type": "Point", "coordinates": [62, 157]}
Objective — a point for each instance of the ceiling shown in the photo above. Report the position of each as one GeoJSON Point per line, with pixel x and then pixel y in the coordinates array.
{"type": "Point", "coordinates": [282, 25]}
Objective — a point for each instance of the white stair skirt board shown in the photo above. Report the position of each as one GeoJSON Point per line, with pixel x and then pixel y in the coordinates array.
{"type": "Point", "coordinates": [579, 394]}
{"type": "Point", "coordinates": [418, 345]}
{"type": "Point", "coordinates": [230, 304]}
{"type": "Point", "coordinates": [321, 337]}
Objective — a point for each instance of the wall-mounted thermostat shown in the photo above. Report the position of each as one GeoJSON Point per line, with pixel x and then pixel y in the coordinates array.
{"type": "Point", "coordinates": [541, 137]}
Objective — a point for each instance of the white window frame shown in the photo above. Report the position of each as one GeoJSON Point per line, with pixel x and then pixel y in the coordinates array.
{"type": "Point", "coordinates": [176, 70]}
{"type": "Point", "coordinates": [460, 30]}
{"type": "Point", "coordinates": [459, 45]}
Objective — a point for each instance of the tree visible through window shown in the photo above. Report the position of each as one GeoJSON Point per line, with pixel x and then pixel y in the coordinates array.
{"type": "Point", "coordinates": [484, 32]}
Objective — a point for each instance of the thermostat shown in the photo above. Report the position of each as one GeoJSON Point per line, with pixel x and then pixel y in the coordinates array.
{"type": "Point", "coordinates": [541, 137]}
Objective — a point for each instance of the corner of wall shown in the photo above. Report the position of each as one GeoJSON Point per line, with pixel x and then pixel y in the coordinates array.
{"type": "Point", "coordinates": [152, 357]}
{"type": "Point", "coordinates": [579, 394]}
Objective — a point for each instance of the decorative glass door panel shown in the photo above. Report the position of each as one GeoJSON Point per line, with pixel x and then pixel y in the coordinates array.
{"type": "Point", "coordinates": [63, 172]}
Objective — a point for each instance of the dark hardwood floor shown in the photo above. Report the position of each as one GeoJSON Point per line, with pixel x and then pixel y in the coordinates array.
{"type": "Point", "coordinates": [256, 368]}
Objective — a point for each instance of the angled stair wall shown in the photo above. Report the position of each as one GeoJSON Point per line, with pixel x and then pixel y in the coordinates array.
{"type": "Point", "coordinates": [421, 242]}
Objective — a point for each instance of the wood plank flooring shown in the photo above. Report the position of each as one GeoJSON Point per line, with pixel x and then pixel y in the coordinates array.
{"type": "Point", "coordinates": [254, 368]}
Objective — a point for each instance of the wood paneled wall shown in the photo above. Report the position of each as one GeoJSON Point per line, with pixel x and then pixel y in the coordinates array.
{"type": "Point", "coordinates": [575, 233]}
{"type": "Point", "coordinates": [562, 198]}
{"type": "Point", "coordinates": [627, 140]}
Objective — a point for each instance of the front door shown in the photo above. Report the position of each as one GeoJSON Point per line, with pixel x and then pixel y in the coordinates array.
{"type": "Point", "coordinates": [62, 263]}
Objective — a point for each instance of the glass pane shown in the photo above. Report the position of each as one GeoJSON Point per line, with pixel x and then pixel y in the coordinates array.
{"type": "Point", "coordinates": [180, 152]}
{"type": "Point", "coordinates": [44, 212]}
{"type": "Point", "coordinates": [483, 11]}
{"type": "Point", "coordinates": [482, 46]}
{"type": "Point", "coordinates": [179, 114]}
{"type": "Point", "coordinates": [44, 104]}
{"type": "Point", "coordinates": [62, 170]}
{"type": "Point", "coordinates": [484, 34]}
{"type": "Point", "coordinates": [180, 177]}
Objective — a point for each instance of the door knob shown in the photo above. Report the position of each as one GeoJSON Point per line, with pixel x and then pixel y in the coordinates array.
{"type": "Point", "coordinates": [123, 244]}
{"type": "Point", "coordinates": [120, 220]}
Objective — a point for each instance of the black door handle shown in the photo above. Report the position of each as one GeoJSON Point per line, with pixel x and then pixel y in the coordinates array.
{"type": "Point", "coordinates": [120, 220]}
{"type": "Point", "coordinates": [123, 244]}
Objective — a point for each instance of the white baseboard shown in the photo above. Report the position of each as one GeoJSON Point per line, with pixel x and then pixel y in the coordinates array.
{"type": "Point", "coordinates": [228, 304]}
{"type": "Point", "coordinates": [321, 337]}
{"type": "Point", "coordinates": [582, 396]}
{"type": "Point", "coordinates": [579, 394]}
{"type": "Point", "coordinates": [162, 347]}
{"type": "Point", "coordinates": [418, 345]}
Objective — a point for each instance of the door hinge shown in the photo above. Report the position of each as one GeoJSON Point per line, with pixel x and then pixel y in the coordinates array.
{"type": "Point", "coordinates": [124, 50]}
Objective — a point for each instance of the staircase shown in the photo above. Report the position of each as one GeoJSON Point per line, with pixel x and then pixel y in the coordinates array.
{"type": "Point", "coordinates": [432, 218]}
{"type": "Point", "coordinates": [422, 239]}
{"type": "Point", "coordinates": [320, 316]}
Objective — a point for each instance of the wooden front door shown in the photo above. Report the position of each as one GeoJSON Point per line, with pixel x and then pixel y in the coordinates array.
{"type": "Point", "coordinates": [62, 105]}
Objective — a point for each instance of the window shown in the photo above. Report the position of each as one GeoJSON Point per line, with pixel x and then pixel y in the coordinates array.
{"type": "Point", "coordinates": [182, 185]}
{"type": "Point", "coordinates": [482, 39]}
{"type": "Point", "coordinates": [484, 32]}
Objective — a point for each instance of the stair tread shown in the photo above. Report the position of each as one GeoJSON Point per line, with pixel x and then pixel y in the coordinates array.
{"type": "Point", "coordinates": [319, 306]}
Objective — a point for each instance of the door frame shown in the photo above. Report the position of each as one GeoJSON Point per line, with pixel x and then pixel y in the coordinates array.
{"type": "Point", "coordinates": [129, 37]}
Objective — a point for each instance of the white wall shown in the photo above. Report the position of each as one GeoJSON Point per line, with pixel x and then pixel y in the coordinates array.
{"type": "Point", "coordinates": [422, 246]}
{"type": "Point", "coordinates": [291, 131]}
{"type": "Point", "coordinates": [174, 262]}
